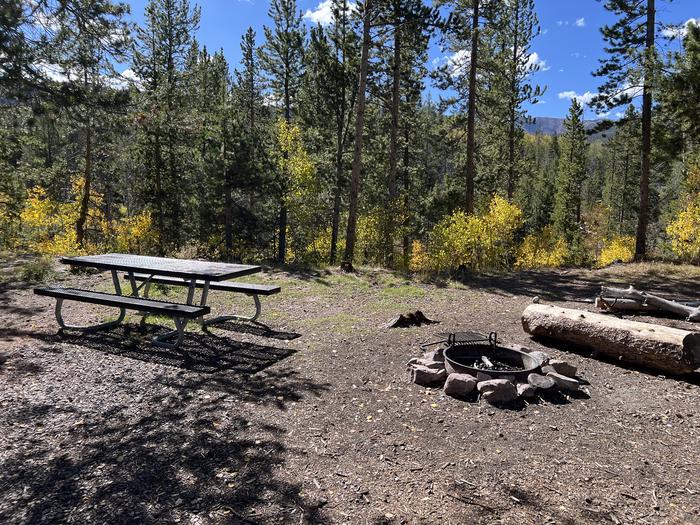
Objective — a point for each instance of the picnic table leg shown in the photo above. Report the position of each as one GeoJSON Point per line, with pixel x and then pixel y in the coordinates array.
{"type": "Point", "coordinates": [91, 328]}
{"type": "Point", "coordinates": [233, 317]}
{"type": "Point", "coordinates": [180, 322]}
{"type": "Point", "coordinates": [203, 302]}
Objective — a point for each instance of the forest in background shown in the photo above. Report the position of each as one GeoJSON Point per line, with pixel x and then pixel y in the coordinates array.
{"type": "Point", "coordinates": [322, 148]}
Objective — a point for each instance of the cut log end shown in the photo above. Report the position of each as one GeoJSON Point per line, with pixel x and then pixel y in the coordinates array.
{"type": "Point", "coordinates": [671, 350]}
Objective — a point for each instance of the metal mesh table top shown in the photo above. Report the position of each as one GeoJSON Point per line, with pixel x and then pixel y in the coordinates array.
{"type": "Point", "coordinates": [184, 268]}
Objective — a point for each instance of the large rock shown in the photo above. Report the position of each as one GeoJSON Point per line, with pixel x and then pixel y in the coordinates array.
{"type": "Point", "coordinates": [421, 361]}
{"type": "Point", "coordinates": [435, 355]}
{"type": "Point", "coordinates": [563, 382]}
{"type": "Point", "coordinates": [541, 382]}
{"type": "Point", "coordinates": [541, 357]}
{"type": "Point", "coordinates": [424, 376]}
{"type": "Point", "coordinates": [563, 368]}
{"type": "Point", "coordinates": [546, 369]}
{"type": "Point", "coordinates": [460, 385]}
{"type": "Point", "coordinates": [497, 391]}
{"type": "Point", "coordinates": [526, 390]}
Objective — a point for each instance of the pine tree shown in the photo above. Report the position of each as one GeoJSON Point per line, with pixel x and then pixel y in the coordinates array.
{"type": "Point", "coordinates": [163, 46]}
{"type": "Point", "coordinates": [351, 234]}
{"type": "Point", "coordinates": [566, 215]}
{"type": "Point", "coordinates": [282, 57]}
{"type": "Point", "coordinates": [519, 27]}
{"type": "Point", "coordinates": [622, 174]}
{"type": "Point", "coordinates": [631, 65]}
{"type": "Point", "coordinates": [249, 84]}
{"type": "Point", "coordinates": [410, 22]}
{"type": "Point", "coordinates": [90, 35]}
{"type": "Point", "coordinates": [344, 84]}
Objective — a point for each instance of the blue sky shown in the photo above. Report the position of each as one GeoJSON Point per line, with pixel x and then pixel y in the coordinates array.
{"type": "Point", "coordinates": [568, 48]}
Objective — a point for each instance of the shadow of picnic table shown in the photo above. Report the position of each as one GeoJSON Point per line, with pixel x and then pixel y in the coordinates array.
{"type": "Point", "coordinates": [186, 451]}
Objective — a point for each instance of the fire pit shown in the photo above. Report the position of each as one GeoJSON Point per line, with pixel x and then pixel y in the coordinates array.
{"type": "Point", "coordinates": [473, 353]}
{"type": "Point", "coordinates": [465, 362]}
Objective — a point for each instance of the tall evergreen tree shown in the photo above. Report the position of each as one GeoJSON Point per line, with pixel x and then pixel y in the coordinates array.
{"type": "Point", "coordinates": [519, 25]}
{"type": "Point", "coordinates": [89, 36]}
{"type": "Point", "coordinates": [631, 65]}
{"type": "Point", "coordinates": [622, 174]}
{"type": "Point", "coordinates": [351, 235]}
{"type": "Point", "coordinates": [163, 45]}
{"type": "Point", "coordinates": [566, 215]}
{"type": "Point", "coordinates": [282, 57]}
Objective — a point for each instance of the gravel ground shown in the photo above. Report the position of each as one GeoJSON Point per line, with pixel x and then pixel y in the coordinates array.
{"type": "Point", "coordinates": [310, 418]}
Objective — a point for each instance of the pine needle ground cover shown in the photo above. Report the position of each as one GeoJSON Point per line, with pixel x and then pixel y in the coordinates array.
{"type": "Point", "coordinates": [313, 420]}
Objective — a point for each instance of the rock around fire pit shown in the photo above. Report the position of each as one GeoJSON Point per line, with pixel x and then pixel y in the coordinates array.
{"type": "Point", "coordinates": [468, 362]}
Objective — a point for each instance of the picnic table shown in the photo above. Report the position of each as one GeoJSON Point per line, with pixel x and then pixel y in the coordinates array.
{"type": "Point", "coordinates": [141, 271]}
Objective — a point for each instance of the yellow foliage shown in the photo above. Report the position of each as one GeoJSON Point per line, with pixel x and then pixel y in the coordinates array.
{"type": "Point", "coordinates": [295, 160]}
{"type": "Point", "coordinates": [620, 248]}
{"type": "Point", "coordinates": [685, 232]}
{"type": "Point", "coordinates": [135, 234]}
{"type": "Point", "coordinates": [479, 243]}
{"type": "Point", "coordinates": [368, 240]}
{"type": "Point", "coordinates": [420, 259]}
{"type": "Point", "coordinates": [543, 249]}
{"type": "Point", "coordinates": [48, 226]}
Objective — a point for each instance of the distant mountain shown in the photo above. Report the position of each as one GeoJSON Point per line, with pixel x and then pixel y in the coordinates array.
{"type": "Point", "coordinates": [552, 125]}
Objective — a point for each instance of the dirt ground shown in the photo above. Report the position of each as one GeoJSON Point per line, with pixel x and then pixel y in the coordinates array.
{"type": "Point", "coordinates": [311, 419]}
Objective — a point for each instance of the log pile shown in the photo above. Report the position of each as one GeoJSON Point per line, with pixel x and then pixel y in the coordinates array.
{"type": "Point", "coordinates": [671, 350]}
{"type": "Point", "coordinates": [631, 299]}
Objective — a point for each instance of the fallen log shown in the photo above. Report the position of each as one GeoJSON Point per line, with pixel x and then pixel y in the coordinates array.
{"type": "Point", "coordinates": [613, 304]}
{"type": "Point", "coordinates": [670, 350]}
{"type": "Point", "coordinates": [689, 312]}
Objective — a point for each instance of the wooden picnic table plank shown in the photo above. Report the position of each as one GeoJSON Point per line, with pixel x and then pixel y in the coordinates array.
{"type": "Point", "coordinates": [183, 268]}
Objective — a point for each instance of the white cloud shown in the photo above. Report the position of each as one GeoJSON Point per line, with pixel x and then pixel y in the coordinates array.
{"type": "Point", "coordinates": [584, 98]}
{"type": "Point", "coordinates": [681, 30]}
{"type": "Point", "coordinates": [125, 79]}
{"type": "Point", "coordinates": [562, 22]}
{"type": "Point", "coordinates": [580, 22]}
{"type": "Point", "coordinates": [52, 72]}
{"type": "Point", "coordinates": [544, 31]}
{"type": "Point", "coordinates": [323, 14]}
{"type": "Point", "coordinates": [535, 61]}
{"type": "Point", "coordinates": [458, 62]}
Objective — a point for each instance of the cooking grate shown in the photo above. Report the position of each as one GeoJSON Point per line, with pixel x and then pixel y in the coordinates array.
{"type": "Point", "coordinates": [462, 339]}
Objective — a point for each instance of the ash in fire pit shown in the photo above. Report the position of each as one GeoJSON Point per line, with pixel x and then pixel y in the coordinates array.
{"type": "Point", "coordinates": [470, 353]}
{"type": "Point", "coordinates": [494, 365]}
{"type": "Point", "coordinates": [468, 361]}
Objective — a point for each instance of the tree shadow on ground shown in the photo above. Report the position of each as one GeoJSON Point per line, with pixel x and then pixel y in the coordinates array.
{"type": "Point", "coordinates": [183, 451]}
{"type": "Point", "coordinates": [574, 286]}
{"type": "Point", "coordinates": [583, 351]}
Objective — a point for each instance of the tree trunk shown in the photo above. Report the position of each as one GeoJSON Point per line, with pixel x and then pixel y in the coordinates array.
{"type": "Point", "coordinates": [393, 138]}
{"type": "Point", "coordinates": [85, 197]}
{"type": "Point", "coordinates": [406, 193]}
{"type": "Point", "coordinates": [667, 349]}
{"type": "Point", "coordinates": [471, 113]}
{"type": "Point", "coordinates": [228, 205]}
{"type": "Point", "coordinates": [690, 313]}
{"type": "Point", "coordinates": [341, 112]}
{"type": "Point", "coordinates": [510, 188]}
{"type": "Point", "coordinates": [643, 220]}
{"type": "Point", "coordinates": [359, 128]}
{"type": "Point", "coordinates": [282, 236]}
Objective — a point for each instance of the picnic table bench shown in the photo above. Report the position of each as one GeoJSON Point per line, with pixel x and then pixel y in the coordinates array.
{"type": "Point", "coordinates": [193, 274]}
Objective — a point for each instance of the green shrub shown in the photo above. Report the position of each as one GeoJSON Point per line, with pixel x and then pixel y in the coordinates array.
{"type": "Point", "coordinates": [37, 271]}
